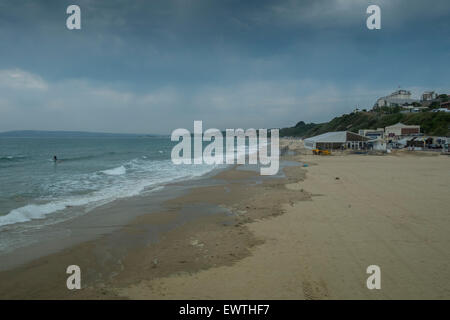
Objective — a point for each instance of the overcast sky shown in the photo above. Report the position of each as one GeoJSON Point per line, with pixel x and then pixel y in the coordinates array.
{"type": "Point", "coordinates": [154, 66]}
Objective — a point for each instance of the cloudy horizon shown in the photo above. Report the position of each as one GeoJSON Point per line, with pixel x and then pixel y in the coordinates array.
{"type": "Point", "coordinates": [152, 67]}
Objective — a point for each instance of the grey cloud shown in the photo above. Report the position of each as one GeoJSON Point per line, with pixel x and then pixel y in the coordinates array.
{"type": "Point", "coordinates": [151, 65]}
{"type": "Point", "coordinates": [81, 105]}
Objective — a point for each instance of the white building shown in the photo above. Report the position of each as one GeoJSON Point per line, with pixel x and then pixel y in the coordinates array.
{"type": "Point", "coordinates": [336, 141]}
{"type": "Point", "coordinates": [400, 129]}
{"type": "Point", "coordinates": [399, 97]}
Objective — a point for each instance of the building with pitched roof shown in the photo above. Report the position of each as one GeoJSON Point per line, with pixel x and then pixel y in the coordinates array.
{"type": "Point", "coordinates": [337, 140]}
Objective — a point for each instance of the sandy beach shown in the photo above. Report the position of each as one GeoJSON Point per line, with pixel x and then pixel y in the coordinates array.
{"type": "Point", "coordinates": [309, 234]}
{"type": "Point", "coordinates": [391, 211]}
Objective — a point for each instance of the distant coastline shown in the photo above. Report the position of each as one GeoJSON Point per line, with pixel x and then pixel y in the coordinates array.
{"type": "Point", "coordinates": [68, 134]}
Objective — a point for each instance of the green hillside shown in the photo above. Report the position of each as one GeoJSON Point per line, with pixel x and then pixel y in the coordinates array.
{"type": "Point", "coordinates": [431, 123]}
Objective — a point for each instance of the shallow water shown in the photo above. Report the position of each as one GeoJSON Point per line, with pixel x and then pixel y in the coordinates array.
{"type": "Point", "coordinates": [89, 172]}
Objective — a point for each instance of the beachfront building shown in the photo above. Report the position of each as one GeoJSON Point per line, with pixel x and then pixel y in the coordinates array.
{"type": "Point", "coordinates": [397, 98]}
{"type": "Point", "coordinates": [372, 133]}
{"type": "Point", "coordinates": [400, 129]}
{"type": "Point", "coordinates": [338, 140]}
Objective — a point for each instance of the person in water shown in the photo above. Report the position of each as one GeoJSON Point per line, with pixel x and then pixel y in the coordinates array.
{"type": "Point", "coordinates": [55, 158]}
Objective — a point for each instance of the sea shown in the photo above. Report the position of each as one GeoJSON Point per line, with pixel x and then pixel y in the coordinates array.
{"type": "Point", "coordinates": [89, 172]}
{"type": "Point", "coordinates": [42, 200]}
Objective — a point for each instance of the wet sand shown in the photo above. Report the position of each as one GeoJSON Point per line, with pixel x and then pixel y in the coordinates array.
{"type": "Point", "coordinates": [308, 235]}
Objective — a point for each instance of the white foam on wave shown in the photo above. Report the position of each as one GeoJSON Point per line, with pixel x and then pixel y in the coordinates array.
{"type": "Point", "coordinates": [141, 175]}
{"type": "Point", "coordinates": [115, 171]}
{"type": "Point", "coordinates": [30, 212]}
{"type": "Point", "coordinates": [40, 211]}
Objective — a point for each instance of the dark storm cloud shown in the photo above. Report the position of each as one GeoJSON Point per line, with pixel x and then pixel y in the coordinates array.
{"type": "Point", "coordinates": [151, 66]}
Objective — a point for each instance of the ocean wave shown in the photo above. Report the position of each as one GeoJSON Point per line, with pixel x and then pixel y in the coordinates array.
{"type": "Point", "coordinates": [141, 175]}
{"type": "Point", "coordinates": [86, 157]}
{"type": "Point", "coordinates": [30, 212]}
{"type": "Point", "coordinates": [40, 211]}
{"type": "Point", "coordinates": [11, 158]}
{"type": "Point", "coordinates": [115, 171]}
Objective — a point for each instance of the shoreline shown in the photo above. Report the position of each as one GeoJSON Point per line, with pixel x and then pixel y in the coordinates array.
{"type": "Point", "coordinates": [75, 227]}
{"type": "Point", "coordinates": [184, 213]}
{"type": "Point", "coordinates": [307, 234]}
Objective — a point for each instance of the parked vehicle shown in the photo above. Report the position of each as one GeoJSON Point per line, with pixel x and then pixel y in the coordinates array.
{"type": "Point", "coordinates": [321, 152]}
